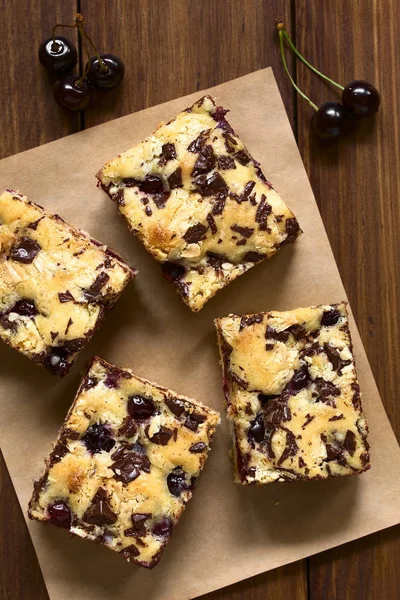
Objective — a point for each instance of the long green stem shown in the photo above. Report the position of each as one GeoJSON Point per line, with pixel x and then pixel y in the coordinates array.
{"type": "Point", "coordinates": [298, 90]}
{"type": "Point", "coordinates": [297, 53]}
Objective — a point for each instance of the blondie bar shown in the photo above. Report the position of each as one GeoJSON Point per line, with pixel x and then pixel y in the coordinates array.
{"type": "Point", "coordinates": [55, 283]}
{"type": "Point", "coordinates": [125, 463]}
{"type": "Point", "coordinates": [199, 202]}
{"type": "Point", "coordinates": [292, 395]}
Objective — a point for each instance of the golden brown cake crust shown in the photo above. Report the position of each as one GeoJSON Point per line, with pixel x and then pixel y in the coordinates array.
{"type": "Point", "coordinates": [292, 394]}
{"type": "Point", "coordinates": [55, 283]}
{"type": "Point", "coordinates": [199, 202]}
{"type": "Point", "coordinates": [125, 463]}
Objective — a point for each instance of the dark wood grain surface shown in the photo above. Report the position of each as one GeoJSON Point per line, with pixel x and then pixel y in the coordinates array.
{"type": "Point", "coordinates": [171, 48]}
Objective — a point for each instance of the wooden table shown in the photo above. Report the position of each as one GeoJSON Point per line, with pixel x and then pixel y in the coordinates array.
{"type": "Point", "coordinates": [171, 48]}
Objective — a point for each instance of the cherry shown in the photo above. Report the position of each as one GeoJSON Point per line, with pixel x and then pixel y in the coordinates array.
{"type": "Point", "coordinates": [72, 92]}
{"type": "Point", "coordinates": [140, 408]}
{"type": "Point", "coordinates": [58, 55]}
{"type": "Point", "coordinates": [107, 72]}
{"type": "Point", "coordinates": [329, 119]}
{"type": "Point", "coordinates": [59, 514]}
{"type": "Point", "coordinates": [361, 98]}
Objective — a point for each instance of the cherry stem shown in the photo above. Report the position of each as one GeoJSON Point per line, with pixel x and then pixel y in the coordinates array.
{"type": "Point", "coordinates": [85, 36]}
{"type": "Point", "coordinates": [298, 90]}
{"type": "Point", "coordinates": [54, 33]}
{"type": "Point", "coordinates": [282, 28]}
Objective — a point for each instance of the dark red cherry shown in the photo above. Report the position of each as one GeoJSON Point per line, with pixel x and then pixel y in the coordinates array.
{"type": "Point", "coordinates": [328, 121]}
{"type": "Point", "coordinates": [59, 514]}
{"type": "Point", "coordinates": [105, 74]}
{"type": "Point", "coordinates": [98, 438]}
{"type": "Point", "coordinates": [360, 98]}
{"type": "Point", "coordinates": [177, 482]}
{"type": "Point", "coordinates": [72, 92]}
{"type": "Point", "coordinates": [58, 56]}
{"type": "Point", "coordinates": [140, 408]}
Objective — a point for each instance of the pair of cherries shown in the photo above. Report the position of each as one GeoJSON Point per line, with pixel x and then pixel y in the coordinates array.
{"type": "Point", "coordinates": [360, 99]}
{"type": "Point", "coordinates": [59, 57]}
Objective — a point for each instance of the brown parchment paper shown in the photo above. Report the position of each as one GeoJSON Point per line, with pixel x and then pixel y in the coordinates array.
{"type": "Point", "coordinates": [228, 532]}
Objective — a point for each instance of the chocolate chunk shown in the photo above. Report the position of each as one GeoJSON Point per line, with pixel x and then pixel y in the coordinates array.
{"type": "Point", "coordinates": [196, 233]}
{"type": "Point", "coordinates": [356, 401]}
{"type": "Point", "coordinates": [302, 464]}
{"type": "Point", "coordinates": [262, 212]}
{"type": "Point", "coordinates": [130, 552]}
{"type": "Point", "coordinates": [34, 224]}
{"type": "Point", "coordinates": [173, 272]}
{"type": "Point", "coordinates": [177, 483]}
{"type": "Point", "coordinates": [129, 466]}
{"type": "Point", "coordinates": [238, 380]}
{"type": "Point", "coordinates": [138, 528]}
{"type": "Point", "coordinates": [349, 443]}
{"type": "Point", "coordinates": [248, 188]}
{"type": "Point", "coordinates": [278, 411]}
{"type": "Point", "coordinates": [70, 321]}
{"type": "Point", "coordinates": [199, 142]}
{"type": "Point", "coordinates": [114, 374]}
{"type": "Point", "coordinates": [219, 204]}
{"type": "Point", "coordinates": [98, 438]}
{"type": "Point", "coordinates": [193, 421]}
{"type": "Point", "coordinates": [333, 356]}
{"type": "Point", "coordinates": [299, 381]}
{"type": "Point", "coordinates": [211, 224]}
{"type": "Point", "coordinates": [269, 347]}
{"type": "Point", "coordinates": [332, 451]}
{"type": "Point", "coordinates": [162, 436]}
{"type": "Point", "coordinates": [140, 408]}
{"type": "Point", "coordinates": [163, 528]}
{"type": "Point", "coordinates": [148, 211]}
{"type": "Point", "coordinates": [24, 250]}
{"type": "Point", "coordinates": [160, 199]}
{"type": "Point", "coordinates": [336, 418]}
{"type": "Point", "coordinates": [216, 260]}
{"type": "Point", "coordinates": [256, 430]}
{"type": "Point", "coordinates": [246, 321]}
{"type": "Point", "coordinates": [128, 427]}
{"type": "Point", "coordinates": [25, 308]}
{"type": "Point", "coordinates": [99, 512]}
{"type": "Point", "coordinates": [74, 345]}
{"type": "Point", "coordinates": [364, 457]}
{"type": "Point", "coordinates": [243, 157]}
{"type": "Point", "coordinates": [7, 324]}
{"type": "Point", "coordinates": [198, 448]}
{"type": "Point", "coordinates": [246, 232]}
{"type": "Point", "coordinates": [241, 243]}
{"type": "Point", "coordinates": [225, 163]}
{"type": "Point", "coordinates": [210, 185]}
{"type": "Point", "coordinates": [280, 336]}
{"type": "Point", "coordinates": [66, 297]}
{"type": "Point", "coordinates": [253, 257]}
{"type": "Point", "coordinates": [59, 451]}
{"type": "Point", "coordinates": [168, 152]}
{"type": "Point", "coordinates": [94, 291]}
{"type": "Point", "coordinates": [292, 229]}
{"type": "Point", "coordinates": [308, 420]}
{"type": "Point", "coordinates": [223, 124]}
{"type": "Point", "coordinates": [291, 447]}
{"type": "Point", "coordinates": [205, 161]}
{"type": "Point", "coordinates": [175, 179]}
{"type": "Point", "coordinates": [326, 391]}
{"type": "Point", "coordinates": [261, 175]}
{"type": "Point", "coordinates": [152, 184]}
{"type": "Point", "coordinates": [176, 406]}
{"type": "Point", "coordinates": [330, 317]}
{"type": "Point", "coordinates": [297, 331]}
{"type": "Point", "coordinates": [230, 142]}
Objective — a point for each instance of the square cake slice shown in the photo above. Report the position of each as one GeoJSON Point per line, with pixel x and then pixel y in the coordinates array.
{"type": "Point", "coordinates": [292, 395]}
{"type": "Point", "coordinates": [56, 283]}
{"type": "Point", "coordinates": [199, 202]}
{"type": "Point", "coordinates": [125, 463]}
